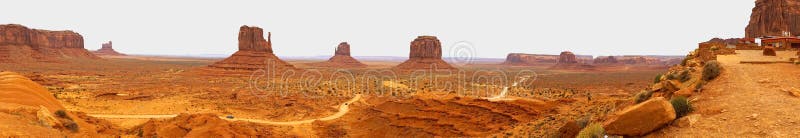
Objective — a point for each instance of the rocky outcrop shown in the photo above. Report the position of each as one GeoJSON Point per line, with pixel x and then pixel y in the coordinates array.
{"type": "Point", "coordinates": [567, 57]}
{"type": "Point", "coordinates": [341, 59]}
{"type": "Point", "coordinates": [21, 44]}
{"type": "Point", "coordinates": [774, 18]}
{"type": "Point", "coordinates": [769, 51]}
{"type": "Point", "coordinates": [107, 50]}
{"type": "Point", "coordinates": [641, 119]}
{"type": "Point", "coordinates": [254, 53]}
{"type": "Point", "coordinates": [521, 59]}
{"type": "Point", "coordinates": [425, 54]}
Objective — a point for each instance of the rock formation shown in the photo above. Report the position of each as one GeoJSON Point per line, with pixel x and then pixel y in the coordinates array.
{"type": "Point", "coordinates": [521, 59]}
{"type": "Point", "coordinates": [567, 57]}
{"type": "Point", "coordinates": [341, 59]}
{"type": "Point", "coordinates": [641, 119]}
{"type": "Point", "coordinates": [774, 18]}
{"type": "Point", "coordinates": [21, 44]}
{"type": "Point", "coordinates": [254, 53]}
{"type": "Point", "coordinates": [425, 54]}
{"type": "Point", "coordinates": [629, 60]}
{"type": "Point", "coordinates": [769, 51]}
{"type": "Point", "coordinates": [605, 60]}
{"type": "Point", "coordinates": [107, 50]}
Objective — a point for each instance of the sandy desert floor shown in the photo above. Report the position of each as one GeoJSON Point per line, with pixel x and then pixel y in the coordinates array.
{"type": "Point", "coordinates": [130, 91]}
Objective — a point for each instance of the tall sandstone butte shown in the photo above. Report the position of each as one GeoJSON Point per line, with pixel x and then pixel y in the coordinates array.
{"type": "Point", "coordinates": [107, 50]}
{"type": "Point", "coordinates": [567, 57]}
{"type": "Point", "coordinates": [342, 58]}
{"type": "Point", "coordinates": [773, 18]}
{"type": "Point", "coordinates": [254, 53]}
{"type": "Point", "coordinates": [22, 44]}
{"type": "Point", "coordinates": [425, 54]}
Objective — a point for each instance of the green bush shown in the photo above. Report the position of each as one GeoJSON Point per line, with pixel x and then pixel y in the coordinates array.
{"type": "Point", "coordinates": [658, 78]}
{"type": "Point", "coordinates": [684, 76]}
{"type": "Point", "coordinates": [592, 131]}
{"type": "Point", "coordinates": [711, 70]}
{"type": "Point", "coordinates": [62, 114]}
{"type": "Point", "coordinates": [681, 105]}
{"type": "Point", "coordinates": [643, 96]}
{"type": "Point", "coordinates": [583, 121]}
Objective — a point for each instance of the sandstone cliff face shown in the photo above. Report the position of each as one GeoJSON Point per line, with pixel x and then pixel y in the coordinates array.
{"type": "Point", "coordinates": [107, 50]}
{"type": "Point", "coordinates": [21, 44]}
{"type": "Point", "coordinates": [341, 59]}
{"type": "Point", "coordinates": [521, 59]}
{"type": "Point", "coordinates": [773, 17]}
{"type": "Point", "coordinates": [630, 60]}
{"type": "Point", "coordinates": [567, 57]}
{"type": "Point", "coordinates": [254, 53]}
{"type": "Point", "coordinates": [425, 54]}
{"type": "Point", "coordinates": [606, 60]}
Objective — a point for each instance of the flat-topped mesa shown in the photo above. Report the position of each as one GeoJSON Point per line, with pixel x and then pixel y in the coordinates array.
{"type": "Point", "coordinates": [343, 49]}
{"type": "Point", "coordinates": [341, 59]}
{"type": "Point", "coordinates": [425, 54]}
{"type": "Point", "coordinates": [567, 57]}
{"type": "Point", "coordinates": [629, 60]}
{"type": "Point", "coordinates": [774, 18]}
{"type": "Point", "coordinates": [606, 60]}
{"type": "Point", "coordinates": [254, 53]}
{"type": "Point", "coordinates": [22, 44]}
{"type": "Point", "coordinates": [522, 59]}
{"type": "Point", "coordinates": [107, 50]}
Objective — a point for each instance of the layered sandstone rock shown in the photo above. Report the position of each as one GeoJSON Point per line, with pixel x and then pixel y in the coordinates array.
{"type": "Point", "coordinates": [341, 59]}
{"type": "Point", "coordinates": [254, 53]}
{"type": "Point", "coordinates": [21, 44]}
{"type": "Point", "coordinates": [774, 18]}
{"type": "Point", "coordinates": [567, 57]}
{"type": "Point", "coordinates": [107, 50]}
{"type": "Point", "coordinates": [641, 119]}
{"type": "Point", "coordinates": [606, 60]}
{"type": "Point", "coordinates": [521, 59]}
{"type": "Point", "coordinates": [425, 54]}
{"type": "Point", "coordinates": [629, 60]}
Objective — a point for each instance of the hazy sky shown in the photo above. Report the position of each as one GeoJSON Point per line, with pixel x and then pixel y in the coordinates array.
{"type": "Point", "coordinates": [385, 28]}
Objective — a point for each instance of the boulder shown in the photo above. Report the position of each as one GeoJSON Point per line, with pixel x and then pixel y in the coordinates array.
{"type": "Point", "coordinates": [769, 51]}
{"type": "Point", "coordinates": [569, 130]}
{"type": "Point", "coordinates": [686, 92]}
{"type": "Point", "coordinates": [641, 119]}
{"type": "Point", "coordinates": [425, 54]}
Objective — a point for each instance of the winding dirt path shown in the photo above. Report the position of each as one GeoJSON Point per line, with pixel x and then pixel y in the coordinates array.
{"type": "Point", "coordinates": [747, 100]}
{"type": "Point", "coordinates": [502, 95]}
{"type": "Point", "coordinates": [343, 109]}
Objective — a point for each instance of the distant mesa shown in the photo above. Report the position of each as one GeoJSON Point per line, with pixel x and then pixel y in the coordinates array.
{"type": "Point", "coordinates": [568, 61]}
{"type": "Point", "coordinates": [522, 59]}
{"type": "Point", "coordinates": [774, 18]}
{"type": "Point", "coordinates": [19, 44]}
{"type": "Point", "coordinates": [630, 60]}
{"type": "Point", "coordinates": [425, 54]}
{"type": "Point", "coordinates": [341, 59]}
{"type": "Point", "coordinates": [107, 50]}
{"type": "Point", "coordinates": [254, 53]}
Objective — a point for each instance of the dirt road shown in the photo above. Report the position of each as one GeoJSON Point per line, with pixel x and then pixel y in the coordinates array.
{"type": "Point", "coordinates": [747, 100]}
{"type": "Point", "coordinates": [343, 109]}
{"type": "Point", "coordinates": [503, 93]}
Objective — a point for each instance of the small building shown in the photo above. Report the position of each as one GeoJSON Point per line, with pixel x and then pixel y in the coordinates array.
{"type": "Point", "coordinates": [781, 42]}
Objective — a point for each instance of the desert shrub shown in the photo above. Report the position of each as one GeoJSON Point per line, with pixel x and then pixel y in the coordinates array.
{"type": "Point", "coordinates": [643, 96]}
{"type": "Point", "coordinates": [582, 122]}
{"type": "Point", "coordinates": [700, 85]}
{"type": "Point", "coordinates": [683, 62]}
{"type": "Point", "coordinates": [72, 126]}
{"type": "Point", "coordinates": [658, 78]}
{"type": "Point", "coordinates": [592, 131]}
{"type": "Point", "coordinates": [62, 114]}
{"type": "Point", "coordinates": [681, 105]}
{"type": "Point", "coordinates": [672, 76]}
{"type": "Point", "coordinates": [684, 76]}
{"type": "Point", "coordinates": [711, 70]}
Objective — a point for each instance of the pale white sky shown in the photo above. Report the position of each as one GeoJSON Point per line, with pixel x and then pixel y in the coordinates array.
{"type": "Point", "coordinates": [385, 28]}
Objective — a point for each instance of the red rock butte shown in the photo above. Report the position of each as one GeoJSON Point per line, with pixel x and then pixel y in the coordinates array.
{"type": "Point", "coordinates": [567, 57]}
{"type": "Point", "coordinates": [425, 54]}
{"type": "Point", "coordinates": [774, 18]}
{"type": "Point", "coordinates": [21, 44]}
{"type": "Point", "coordinates": [107, 50]}
{"type": "Point", "coordinates": [254, 53]}
{"type": "Point", "coordinates": [341, 58]}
